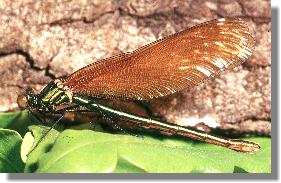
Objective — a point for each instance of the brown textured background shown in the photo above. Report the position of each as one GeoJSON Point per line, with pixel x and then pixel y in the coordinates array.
{"type": "Point", "coordinates": [41, 41]}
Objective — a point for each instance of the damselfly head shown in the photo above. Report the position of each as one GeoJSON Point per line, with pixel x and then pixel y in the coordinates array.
{"type": "Point", "coordinates": [22, 102]}
{"type": "Point", "coordinates": [28, 100]}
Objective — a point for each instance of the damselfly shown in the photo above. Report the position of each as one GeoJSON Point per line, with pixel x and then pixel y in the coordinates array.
{"type": "Point", "coordinates": [158, 69]}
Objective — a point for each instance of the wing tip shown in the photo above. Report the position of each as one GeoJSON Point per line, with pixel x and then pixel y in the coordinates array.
{"type": "Point", "coordinates": [248, 48]}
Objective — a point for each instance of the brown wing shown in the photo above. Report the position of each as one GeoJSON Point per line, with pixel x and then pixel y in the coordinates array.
{"type": "Point", "coordinates": [167, 65]}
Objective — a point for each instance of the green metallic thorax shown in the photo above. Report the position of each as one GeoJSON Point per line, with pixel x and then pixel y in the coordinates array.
{"type": "Point", "coordinates": [51, 96]}
{"type": "Point", "coordinates": [54, 97]}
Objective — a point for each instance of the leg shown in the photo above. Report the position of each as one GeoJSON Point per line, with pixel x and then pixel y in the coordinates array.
{"type": "Point", "coordinates": [45, 134]}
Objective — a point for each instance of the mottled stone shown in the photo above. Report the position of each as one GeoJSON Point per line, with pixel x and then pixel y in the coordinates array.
{"type": "Point", "coordinates": [196, 9]}
{"type": "Point", "coordinates": [28, 25]}
{"type": "Point", "coordinates": [11, 35]}
{"type": "Point", "coordinates": [147, 7]}
{"type": "Point", "coordinates": [15, 76]}
{"type": "Point", "coordinates": [232, 9]}
{"type": "Point", "coordinates": [46, 12]}
{"type": "Point", "coordinates": [257, 8]}
{"type": "Point", "coordinates": [262, 34]}
{"type": "Point", "coordinates": [257, 127]}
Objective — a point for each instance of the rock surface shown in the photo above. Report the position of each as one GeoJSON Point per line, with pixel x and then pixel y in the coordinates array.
{"type": "Point", "coordinates": [43, 40]}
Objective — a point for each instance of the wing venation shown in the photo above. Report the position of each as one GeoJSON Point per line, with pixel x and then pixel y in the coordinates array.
{"type": "Point", "coordinates": [168, 65]}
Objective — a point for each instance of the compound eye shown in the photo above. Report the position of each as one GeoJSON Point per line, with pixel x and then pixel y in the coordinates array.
{"type": "Point", "coordinates": [22, 102]}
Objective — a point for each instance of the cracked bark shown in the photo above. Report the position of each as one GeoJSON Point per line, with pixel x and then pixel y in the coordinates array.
{"type": "Point", "coordinates": [41, 41]}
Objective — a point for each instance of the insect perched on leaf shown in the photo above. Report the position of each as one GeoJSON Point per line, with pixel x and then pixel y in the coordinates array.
{"type": "Point", "coordinates": [158, 69]}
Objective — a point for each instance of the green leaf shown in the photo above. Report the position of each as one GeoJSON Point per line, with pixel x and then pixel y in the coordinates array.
{"type": "Point", "coordinates": [18, 121]}
{"type": "Point", "coordinates": [42, 143]}
{"type": "Point", "coordinates": [10, 161]}
{"type": "Point", "coordinates": [89, 151]}
{"type": "Point", "coordinates": [6, 119]}
{"type": "Point", "coordinates": [26, 146]}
